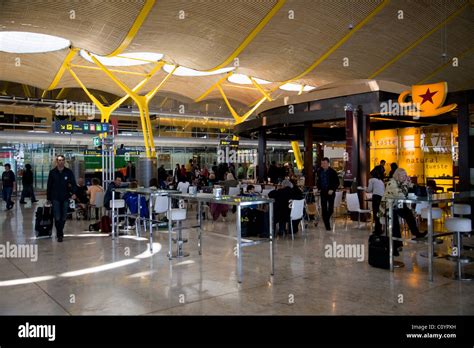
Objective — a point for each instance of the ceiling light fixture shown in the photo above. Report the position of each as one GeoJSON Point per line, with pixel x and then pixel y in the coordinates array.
{"type": "Point", "coordinates": [295, 87]}
{"type": "Point", "coordinates": [125, 59]}
{"type": "Point", "coordinates": [182, 71]}
{"type": "Point", "coordinates": [242, 79]}
{"type": "Point", "coordinates": [26, 42]}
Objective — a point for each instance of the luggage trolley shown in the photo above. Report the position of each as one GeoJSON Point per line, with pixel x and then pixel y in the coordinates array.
{"type": "Point", "coordinates": [312, 211]}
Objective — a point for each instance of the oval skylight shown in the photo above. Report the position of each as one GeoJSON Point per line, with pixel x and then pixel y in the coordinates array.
{"type": "Point", "coordinates": [182, 71]}
{"type": "Point", "coordinates": [295, 87]}
{"type": "Point", "coordinates": [26, 42]}
{"type": "Point", "coordinates": [125, 59]}
{"type": "Point", "coordinates": [242, 79]}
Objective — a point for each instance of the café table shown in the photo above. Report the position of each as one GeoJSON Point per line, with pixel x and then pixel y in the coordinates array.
{"type": "Point", "coordinates": [429, 200]}
{"type": "Point", "coordinates": [239, 202]}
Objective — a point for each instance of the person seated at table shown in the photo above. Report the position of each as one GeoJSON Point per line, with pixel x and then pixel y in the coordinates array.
{"type": "Point", "coordinates": [282, 198]}
{"type": "Point", "coordinates": [154, 183]}
{"type": "Point", "coordinates": [398, 186]}
{"type": "Point", "coordinates": [377, 188]}
{"type": "Point", "coordinates": [92, 193]}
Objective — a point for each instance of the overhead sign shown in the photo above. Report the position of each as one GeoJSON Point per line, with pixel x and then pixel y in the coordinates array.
{"type": "Point", "coordinates": [80, 127]}
{"type": "Point", "coordinates": [92, 152]}
{"type": "Point", "coordinates": [229, 143]}
{"type": "Point", "coordinates": [129, 152]}
{"type": "Point", "coordinates": [96, 141]}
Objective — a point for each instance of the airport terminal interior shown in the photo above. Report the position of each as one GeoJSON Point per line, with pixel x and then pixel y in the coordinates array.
{"type": "Point", "coordinates": [267, 157]}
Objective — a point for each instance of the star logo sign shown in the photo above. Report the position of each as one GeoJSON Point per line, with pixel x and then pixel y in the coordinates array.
{"type": "Point", "coordinates": [428, 96]}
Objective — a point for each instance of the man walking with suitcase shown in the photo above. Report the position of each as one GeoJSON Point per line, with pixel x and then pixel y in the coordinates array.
{"type": "Point", "coordinates": [61, 187]}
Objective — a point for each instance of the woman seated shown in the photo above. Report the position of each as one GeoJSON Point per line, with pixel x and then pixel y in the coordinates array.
{"type": "Point", "coordinates": [92, 193]}
{"type": "Point", "coordinates": [398, 186]}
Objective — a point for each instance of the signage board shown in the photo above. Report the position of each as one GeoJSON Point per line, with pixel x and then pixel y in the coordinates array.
{"type": "Point", "coordinates": [72, 127]}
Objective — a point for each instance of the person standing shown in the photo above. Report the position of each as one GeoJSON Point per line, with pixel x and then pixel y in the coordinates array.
{"type": "Point", "coordinates": [327, 184]}
{"type": "Point", "coordinates": [9, 185]}
{"type": "Point", "coordinates": [27, 181]}
{"type": "Point", "coordinates": [61, 186]}
{"type": "Point", "coordinates": [381, 168]}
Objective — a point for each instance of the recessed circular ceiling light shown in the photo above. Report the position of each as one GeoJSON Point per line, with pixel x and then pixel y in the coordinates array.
{"type": "Point", "coordinates": [26, 42]}
{"type": "Point", "coordinates": [125, 59]}
{"type": "Point", "coordinates": [242, 79]}
{"type": "Point", "coordinates": [182, 71]}
{"type": "Point", "coordinates": [295, 87]}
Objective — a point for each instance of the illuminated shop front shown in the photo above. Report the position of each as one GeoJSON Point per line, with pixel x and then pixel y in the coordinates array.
{"type": "Point", "coordinates": [427, 153]}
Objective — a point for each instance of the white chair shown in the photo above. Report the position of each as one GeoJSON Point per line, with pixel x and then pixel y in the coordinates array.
{"type": "Point", "coordinates": [183, 187]}
{"type": "Point", "coordinates": [244, 187]}
{"type": "Point", "coordinates": [258, 188]}
{"type": "Point", "coordinates": [296, 213]}
{"type": "Point", "coordinates": [234, 191]}
{"type": "Point", "coordinates": [116, 204]}
{"type": "Point", "coordinates": [458, 226]}
{"type": "Point", "coordinates": [353, 206]}
{"type": "Point", "coordinates": [337, 201]}
{"type": "Point", "coordinates": [267, 191]}
{"type": "Point", "coordinates": [98, 205]}
{"type": "Point", "coordinates": [461, 209]}
{"type": "Point", "coordinates": [178, 215]}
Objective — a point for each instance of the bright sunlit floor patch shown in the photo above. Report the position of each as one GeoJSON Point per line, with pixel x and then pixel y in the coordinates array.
{"type": "Point", "coordinates": [97, 269]}
{"type": "Point", "coordinates": [141, 274]}
{"type": "Point", "coordinates": [134, 238]}
{"type": "Point", "coordinates": [147, 253]}
{"type": "Point", "coordinates": [25, 280]}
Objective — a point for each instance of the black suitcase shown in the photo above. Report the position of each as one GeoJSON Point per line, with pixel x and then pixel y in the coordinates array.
{"type": "Point", "coordinates": [379, 255]}
{"type": "Point", "coordinates": [44, 222]}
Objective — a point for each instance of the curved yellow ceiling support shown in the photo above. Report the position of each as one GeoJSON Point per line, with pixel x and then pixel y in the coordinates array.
{"type": "Point", "coordinates": [72, 53]}
{"type": "Point", "coordinates": [251, 36]}
{"type": "Point", "coordinates": [421, 39]}
{"type": "Point", "coordinates": [135, 27]}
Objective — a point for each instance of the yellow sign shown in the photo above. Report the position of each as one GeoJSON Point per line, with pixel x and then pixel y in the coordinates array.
{"type": "Point", "coordinates": [427, 99]}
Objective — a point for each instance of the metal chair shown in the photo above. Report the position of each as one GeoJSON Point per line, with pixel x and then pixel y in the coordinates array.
{"type": "Point", "coordinates": [459, 226]}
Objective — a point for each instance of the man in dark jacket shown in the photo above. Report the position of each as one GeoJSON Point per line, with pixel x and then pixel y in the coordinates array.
{"type": "Point", "coordinates": [27, 181]}
{"type": "Point", "coordinates": [327, 183]}
{"type": "Point", "coordinates": [9, 185]}
{"type": "Point", "coordinates": [61, 187]}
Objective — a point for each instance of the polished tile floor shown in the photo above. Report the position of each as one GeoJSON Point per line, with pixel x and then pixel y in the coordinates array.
{"type": "Point", "coordinates": [88, 274]}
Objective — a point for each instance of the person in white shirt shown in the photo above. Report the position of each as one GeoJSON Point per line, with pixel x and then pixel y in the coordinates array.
{"type": "Point", "coordinates": [377, 188]}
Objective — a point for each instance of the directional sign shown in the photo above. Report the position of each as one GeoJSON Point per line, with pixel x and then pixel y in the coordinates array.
{"type": "Point", "coordinates": [96, 141]}
{"type": "Point", "coordinates": [80, 127]}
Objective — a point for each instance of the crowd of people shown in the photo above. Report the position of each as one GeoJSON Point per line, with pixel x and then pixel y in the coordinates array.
{"type": "Point", "coordinates": [62, 187]}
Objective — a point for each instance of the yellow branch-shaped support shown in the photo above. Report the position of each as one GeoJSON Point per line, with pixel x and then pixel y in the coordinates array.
{"type": "Point", "coordinates": [297, 153]}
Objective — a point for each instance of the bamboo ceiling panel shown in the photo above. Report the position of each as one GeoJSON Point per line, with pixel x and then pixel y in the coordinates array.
{"type": "Point", "coordinates": [208, 34]}
{"type": "Point", "coordinates": [382, 39]}
{"type": "Point", "coordinates": [424, 59]}
{"type": "Point", "coordinates": [98, 26]}
{"type": "Point", "coordinates": [36, 69]}
{"type": "Point", "coordinates": [286, 47]}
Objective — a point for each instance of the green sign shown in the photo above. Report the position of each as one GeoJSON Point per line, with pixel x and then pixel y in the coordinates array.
{"type": "Point", "coordinates": [96, 141]}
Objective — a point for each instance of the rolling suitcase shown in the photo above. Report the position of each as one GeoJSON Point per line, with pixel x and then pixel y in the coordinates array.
{"type": "Point", "coordinates": [44, 221]}
{"type": "Point", "coordinates": [379, 255]}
